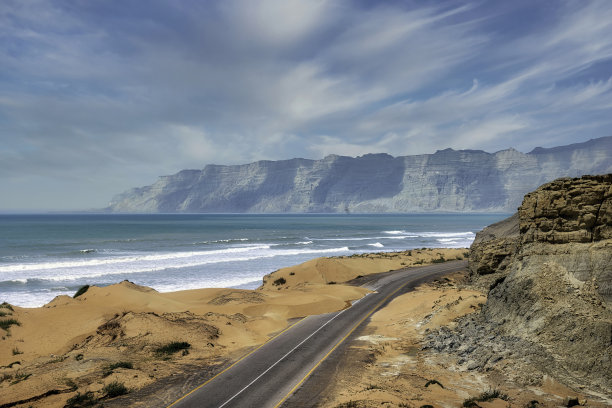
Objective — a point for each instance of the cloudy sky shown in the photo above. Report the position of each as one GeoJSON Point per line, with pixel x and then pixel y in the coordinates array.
{"type": "Point", "coordinates": [100, 96]}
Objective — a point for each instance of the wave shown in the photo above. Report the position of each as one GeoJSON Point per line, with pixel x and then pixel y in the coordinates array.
{"type": "Point", "coordinates": [466, 234]}
{"type": "Point", "coordinates": [428, 234]}
{"type": "Point", "coordinates": [128, 259]}
{"type": "Point", "coordinates": [87, 251]}
{"type": "Point", "coordinates": [152, 263]}
{"type": "Point", "coordinates": [222, 241]}
{"type": "Point", "coordinates": [377, 245]}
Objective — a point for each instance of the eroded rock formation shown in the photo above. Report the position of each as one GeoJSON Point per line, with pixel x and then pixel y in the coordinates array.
{"type": "Point", "coordinates": [448, 180]}
{"type": "Point", "coordinates": [551, 297]}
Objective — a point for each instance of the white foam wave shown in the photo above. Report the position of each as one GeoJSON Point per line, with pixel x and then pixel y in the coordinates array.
{"type": "Point", "coordinates": [377, 245]}
{"type": "Point", "coordinates": [69, 271]}
{"type": "Point", "coordinates": [128, 259]}
{"type": "Point", "coordinates": [221, 241]}
{"type": "Point", "coordinates": [347, 239]}
{"type": "Point", "coordinates": [427, 234]}
{"type": "Point", "coordinates": [304, 243]}
{"type": "Point", "coordinates": [466, 234]}
{"type": "Point", "coordinates": [18, 281]}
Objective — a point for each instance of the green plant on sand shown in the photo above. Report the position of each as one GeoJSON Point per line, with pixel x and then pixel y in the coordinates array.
{"type": "Point", "coordinates": [81, 290]}
{"type": "Point", "coordinates": [172, 347]}
{"type": "Point", "coordinates": [115, 389]}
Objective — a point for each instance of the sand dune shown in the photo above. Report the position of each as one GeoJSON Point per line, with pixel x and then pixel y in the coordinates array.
{"type": "Point", "coordinates": [71, 344]}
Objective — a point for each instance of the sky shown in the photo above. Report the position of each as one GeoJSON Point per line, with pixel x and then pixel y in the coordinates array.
{"type": "Point", "coordinates": [98, 96]}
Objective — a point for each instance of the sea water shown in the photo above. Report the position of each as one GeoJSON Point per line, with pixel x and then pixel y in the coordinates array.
{"type": "Point", "coordinates": [42, 256]}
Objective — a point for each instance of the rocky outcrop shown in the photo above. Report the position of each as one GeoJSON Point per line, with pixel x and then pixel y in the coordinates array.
{"type": "Point", "coordinates": [568, 210]}
{"type": "Point", "coordinates": [493, 249]}
{"type": "Point", "coordinates": [551, 302]}
{"type": "Point", "coordinates": [448, 180]}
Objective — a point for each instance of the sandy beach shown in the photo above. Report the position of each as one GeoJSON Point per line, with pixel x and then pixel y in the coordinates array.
{"type": "Point", "coordinates": [134, 336]}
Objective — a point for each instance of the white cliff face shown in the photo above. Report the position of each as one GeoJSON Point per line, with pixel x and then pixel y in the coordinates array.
{"type": "Point", "coordinates": [448, 180]}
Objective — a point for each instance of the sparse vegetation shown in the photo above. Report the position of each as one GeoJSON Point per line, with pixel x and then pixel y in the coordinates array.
{"type": "Point", "coordinates": [120, 364]}
{"type": "Point", "coordinates": [291, 273]}
{"type": "Point", "coordinates": [16, 351]}
{"type": "Point", "coordinates": [173, 347]}
{"type": "Point", "coordinates": [6, 323]}
{"type": "Point", "coordinates": [419, 262]}
{"type": "Point", "coordinates": [3, 313]}
{"type": "Point", "coordinates": [19, 377]}
{"type": "Point", "coordinates": [485, 396]}
{"type": "Point", "coordinates": [331, 282]}
{"type": "Point", "coordinates": [532, 404]}
{"type": "Point", "coordinates": [81, 400]}
{"type": "Point", "coordinates": [5, 305]}
{"type": "Point", "coordinates": [422, 406]}
{"type": "Point", "coordinates": [373, 387]}
{"type": "Point", "coordinates": [438, 260]}
{"type": "Point", "coordinates": [110, 325]}
{"type": "Point", "coordinates": [81, 290]}
{"type": "Point", "coordinates": [78, 357]}
{"type": "Point", "coordinates": [115, 389]}
{"type": "Point", "coordinates": [280, 281]}
{"type": "Point", "coordinates": [5, 377]}
{"type": "Point", "coordinates": [432, 382]}
{"type": "Point", "coordinates": [350, 404]}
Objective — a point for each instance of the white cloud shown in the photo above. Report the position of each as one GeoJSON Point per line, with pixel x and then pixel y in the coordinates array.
{"type": "Point", "coordinates": [135, 92]}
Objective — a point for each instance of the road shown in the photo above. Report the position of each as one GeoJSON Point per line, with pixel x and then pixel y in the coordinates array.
{"type": "Point", "coordinates": [271, 374]}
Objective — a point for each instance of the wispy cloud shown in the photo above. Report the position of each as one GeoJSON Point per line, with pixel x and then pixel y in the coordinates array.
{"type": "Point", "coordinates": [108, 95]}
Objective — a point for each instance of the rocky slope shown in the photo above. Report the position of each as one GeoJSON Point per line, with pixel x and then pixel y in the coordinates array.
{"type": "Point", "coordinates": [551, 300]}
{"type": "Point", "coordinates": [448, 180]}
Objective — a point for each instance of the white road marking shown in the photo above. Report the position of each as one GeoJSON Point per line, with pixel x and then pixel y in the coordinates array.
{"type": "Point", "coordinates": [289, 352]}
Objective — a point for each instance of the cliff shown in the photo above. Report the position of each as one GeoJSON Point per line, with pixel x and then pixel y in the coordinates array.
{"type": "Point", "coordinates": [549, 274]}
{"type": "Point", "coordinates": [446, 181]}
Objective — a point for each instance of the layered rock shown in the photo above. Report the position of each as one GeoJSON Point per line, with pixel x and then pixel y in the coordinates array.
{"type": "Point", "coordinates": [493, 248]}
{"type": "Point", "coordinates": [568, 210]}
{"type": "Point", "coordinates": [448, 180]}
{"type": "Point", "coordinates": [553, 294]}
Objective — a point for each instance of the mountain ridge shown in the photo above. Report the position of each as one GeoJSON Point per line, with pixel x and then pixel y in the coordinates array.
{"type": "Point", "coordinates": [445, 181]}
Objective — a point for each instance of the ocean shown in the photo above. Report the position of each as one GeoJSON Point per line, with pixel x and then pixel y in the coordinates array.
{"type": "Point", "coordinates": [42, 256]}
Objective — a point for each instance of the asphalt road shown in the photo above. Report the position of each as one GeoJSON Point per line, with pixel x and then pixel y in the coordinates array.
{"type": "Point", "coordinates": [270, 375]}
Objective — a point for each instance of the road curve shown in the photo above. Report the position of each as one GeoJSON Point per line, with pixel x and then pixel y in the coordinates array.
{"type": "Point", "coordinates": [268, 376]}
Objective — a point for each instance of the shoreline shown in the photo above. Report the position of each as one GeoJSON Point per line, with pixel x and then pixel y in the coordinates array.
{"type": "Point", "coordinates": [117, 333]}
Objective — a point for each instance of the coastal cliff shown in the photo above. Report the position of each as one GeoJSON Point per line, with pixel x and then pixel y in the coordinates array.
{"type": "Point", "coordinates": [446, 181]}
{"type": "Point", "coordinates": [549, 274]}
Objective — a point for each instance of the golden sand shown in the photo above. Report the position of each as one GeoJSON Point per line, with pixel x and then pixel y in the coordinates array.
{"type": "Point", "coordinates": [70, 344]}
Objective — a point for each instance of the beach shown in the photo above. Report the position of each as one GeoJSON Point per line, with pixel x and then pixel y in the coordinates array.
{"type": "Point", "coordinates": [116, 334]}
